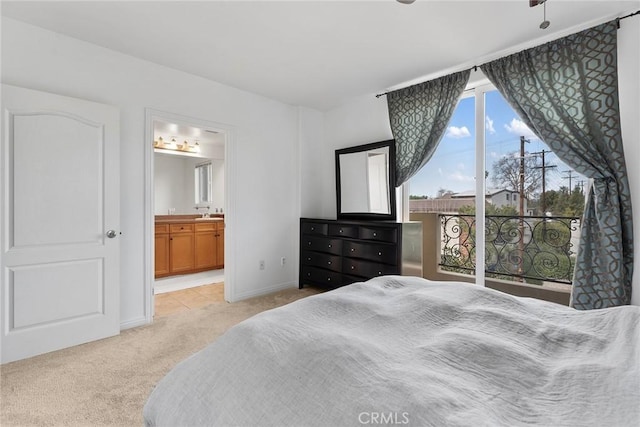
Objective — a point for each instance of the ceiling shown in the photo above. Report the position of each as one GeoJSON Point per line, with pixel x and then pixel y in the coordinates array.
{"type": "Point", "coordinates": [317, 54]}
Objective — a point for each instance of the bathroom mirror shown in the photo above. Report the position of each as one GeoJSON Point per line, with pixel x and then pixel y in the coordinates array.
{"type": "Point", "coordinates": [203, 174]}
{"type": "Point", "coordinates": [365, 181]}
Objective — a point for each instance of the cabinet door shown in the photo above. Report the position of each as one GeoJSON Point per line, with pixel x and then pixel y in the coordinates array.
{"type": "Point", "coordinates": [205, 249]}
{"type": "Point", "coordinates": [182, 252]}
{"type": "Point", "coordinates": [162, 255]}
{"type": "Point", "coordinates": [220, 247]}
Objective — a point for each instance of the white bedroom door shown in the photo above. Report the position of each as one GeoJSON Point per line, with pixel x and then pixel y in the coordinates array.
{"type": "Point", "coordinates": [60, 222]}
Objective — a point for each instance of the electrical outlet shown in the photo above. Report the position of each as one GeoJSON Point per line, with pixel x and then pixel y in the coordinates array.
{"type": "Point", "coordinates": [283, 261]}
{"type": "Point", "coordinates": [261, 264]}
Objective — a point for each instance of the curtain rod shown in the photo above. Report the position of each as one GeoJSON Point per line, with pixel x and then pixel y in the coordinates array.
{"type": "Point", "coordinates": [475, 67]}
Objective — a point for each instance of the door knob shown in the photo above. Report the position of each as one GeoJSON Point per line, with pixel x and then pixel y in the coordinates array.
{"type": "Point", "coordinates": [111, 234]}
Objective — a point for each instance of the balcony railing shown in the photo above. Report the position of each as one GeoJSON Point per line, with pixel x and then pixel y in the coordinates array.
{"type": "Point", "coordinates": [534, 249]}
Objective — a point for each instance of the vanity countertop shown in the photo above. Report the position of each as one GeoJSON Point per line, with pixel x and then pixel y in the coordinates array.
{"type": "Point", "coordinates": [172, 219]}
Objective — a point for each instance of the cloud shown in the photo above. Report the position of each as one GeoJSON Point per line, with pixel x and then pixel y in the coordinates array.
{"type": "Point", "coordinates": [494, 155]}
{"type": "Point", "coordinates": [517, 127]}
{"type": "Point", "coordinates": [461, 166]}
{"type": "Point", "coordinates": [488, 125]}
{"type": "Point", "coordinates": [460, 177]}
{"type": "Point", "coordinates": [457, 133]}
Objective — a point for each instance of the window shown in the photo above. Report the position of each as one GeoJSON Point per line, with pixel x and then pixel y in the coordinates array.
{"type": "Point", "coordinates": [203, 174]}
{"type": "Point", "coordinates": [530, 238]}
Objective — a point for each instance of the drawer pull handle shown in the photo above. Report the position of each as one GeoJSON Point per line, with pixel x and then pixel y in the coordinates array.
{"type": "Point", "coordinates": [379, 273]}
{"type": "Point", "coordinates": [309, 243]}
{"type": "Point", "coordinates": [313, 229]}
{"type": "Point", "coordinates": [375, 234]}
{"type": "Point", "coordinates": [308, 258]}
{"type": "Point", "coordinates": [353, 250]}
{"type": "Point", "coordinates": [308, 274]}
{"type": "Point", "coordinates": [329, 245]}
{"type": "Point", "coordinates": [353, 267]}
{"type": "Point", "coordinates": [328, 279]}
{"type": "Point", "coordinates": [341, 230]}
{"type": "Point", "coordinates": [379, 253]}
{"type": "Point", "coordinates": [329, 262]}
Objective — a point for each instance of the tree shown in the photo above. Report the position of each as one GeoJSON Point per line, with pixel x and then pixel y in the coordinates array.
{"type": "Point", "coordinates": [506, 173]}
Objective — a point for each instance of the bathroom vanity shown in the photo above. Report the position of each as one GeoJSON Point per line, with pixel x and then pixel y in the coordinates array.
{"type": "Point", "coordinates": [187, 244]}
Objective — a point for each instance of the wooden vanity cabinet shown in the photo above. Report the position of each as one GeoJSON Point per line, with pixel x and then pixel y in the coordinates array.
{"type": "Point", "coordinates": [182, 248]}
{"type": "Point", "coordinates": [162, 250]}
{"type": "Point", "coordinates": [220, 246]}
{"type": "Point", "coordinates": [205, 249]}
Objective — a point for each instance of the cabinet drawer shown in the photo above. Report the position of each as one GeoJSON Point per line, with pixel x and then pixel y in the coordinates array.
{"type": "Point", "coordinates": [321, 276]}
{"type": "Point", "coordinates": [343, 230]}
{"type": "Point", "coordinates": [207, 226]}
{"type": "Point", "coordinates": [330, 262]}
{"type": "Point", "coordinates": [314, 228]}
{"type": "Point", "coordinates": [383, 253]}
{"type": "Point", "coordinates": [367, 269]}
{"type": "Point", "coordinates": [162, 228]}
{"type": "Point", "coordinates": [380, 234]}
{"type": "Point", "coordinates": [322, 244]}
{"type": "Point", "coordinates": [181, 228]}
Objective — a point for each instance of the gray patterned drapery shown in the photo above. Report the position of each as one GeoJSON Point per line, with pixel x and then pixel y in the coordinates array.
{"type": "Point", "coordinates": [566, 91]}
{"type": "Point", "coordinates": [419, 115]}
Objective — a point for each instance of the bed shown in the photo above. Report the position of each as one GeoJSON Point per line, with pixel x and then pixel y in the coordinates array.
{"type": "Point", "coordinates": [406, 351]}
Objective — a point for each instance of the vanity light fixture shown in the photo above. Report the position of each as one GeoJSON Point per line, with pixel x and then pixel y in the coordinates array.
{"type": "Point", "coordinates": [161, 144]}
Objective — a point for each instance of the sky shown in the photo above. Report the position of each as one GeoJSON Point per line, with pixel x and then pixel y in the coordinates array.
{"type": "Point", "coordinates": [452, 166]}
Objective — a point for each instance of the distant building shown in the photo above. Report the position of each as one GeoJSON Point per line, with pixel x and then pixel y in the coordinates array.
{"type": "Point", "coordinates": [451, 203]}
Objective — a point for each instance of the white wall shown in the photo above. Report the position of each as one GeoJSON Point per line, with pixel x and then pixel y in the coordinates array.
{"type": "Point", "coordinates": [366, 120]}
{"type": "Point", "coordinates": [264, 209]}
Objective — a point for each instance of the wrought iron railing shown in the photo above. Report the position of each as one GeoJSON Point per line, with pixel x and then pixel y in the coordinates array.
{"type": "Point", "coordinates": [534, 249]}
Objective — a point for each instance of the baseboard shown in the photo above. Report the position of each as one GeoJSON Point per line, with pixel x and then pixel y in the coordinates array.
{"type": "Point", "coordinates": [133, 323]}
{"type": "Point", "coordinates": [265, 291]}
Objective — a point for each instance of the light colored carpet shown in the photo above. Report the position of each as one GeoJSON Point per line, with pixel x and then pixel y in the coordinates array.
{"type": "Point", "coordinates": [107, 382]}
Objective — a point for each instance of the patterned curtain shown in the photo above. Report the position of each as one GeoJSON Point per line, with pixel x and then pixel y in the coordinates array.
{"type": "Point", "coordinates": [419, 115]}
{"type": "Point", "coordinates": [566, 91]}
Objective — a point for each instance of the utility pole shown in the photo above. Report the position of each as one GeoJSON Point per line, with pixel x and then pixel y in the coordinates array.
{"type": "Point", "coordinates": [520, 271]}
{"type": "Point", "coordinates": [522, 141]}
{"type": "Point", "coordinates": [570, 176]}
{"type": "Point", "coordinates": [544, 167]}
{"type": "Point", "coordinates": [581, 185]}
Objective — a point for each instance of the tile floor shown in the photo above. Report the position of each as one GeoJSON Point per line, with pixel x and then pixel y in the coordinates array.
{"type": "Point", "coordinates": [188, 299]}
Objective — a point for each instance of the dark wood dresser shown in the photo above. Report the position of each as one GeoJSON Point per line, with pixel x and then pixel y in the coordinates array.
{"type": "Point", "coordinates": [335, 253]}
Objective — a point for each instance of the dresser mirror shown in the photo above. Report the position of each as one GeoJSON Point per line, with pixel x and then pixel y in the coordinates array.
{"type": "Point", "coordinates": [365, 181]}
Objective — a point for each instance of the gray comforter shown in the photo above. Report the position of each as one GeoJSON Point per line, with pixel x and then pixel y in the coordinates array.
{"type": "Point", "coordinates": [406, 351]}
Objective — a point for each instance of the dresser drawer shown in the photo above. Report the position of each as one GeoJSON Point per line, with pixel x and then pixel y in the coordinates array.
{"type": "Point", "coordinates": [367, 269]}
{"type": "Point", "coordinates": [314, 228]}
{"type": "Point", "coordinates": [317, 259]}
{"type": "Point", "coordinates": [379, 234]}
{"type": "Point", "coordinates": [319, 276]}
{"type": "Point", "coordinates": [384, 253]}
{"type": "Point", "coordinates": [322, 244]}
{"type": "Point", "coordinates": [343, 230]}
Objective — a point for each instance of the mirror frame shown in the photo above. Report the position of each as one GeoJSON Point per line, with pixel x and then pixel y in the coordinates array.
{"type": "Point", "coordinates": [391, 216]}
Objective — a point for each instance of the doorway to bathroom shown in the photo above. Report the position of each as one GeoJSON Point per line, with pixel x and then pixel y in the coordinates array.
{"type": "Point", "coordinates": [187, 214]}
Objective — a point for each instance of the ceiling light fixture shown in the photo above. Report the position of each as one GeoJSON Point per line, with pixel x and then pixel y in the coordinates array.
{"type": "Point", "coordinates": [405, 1]}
